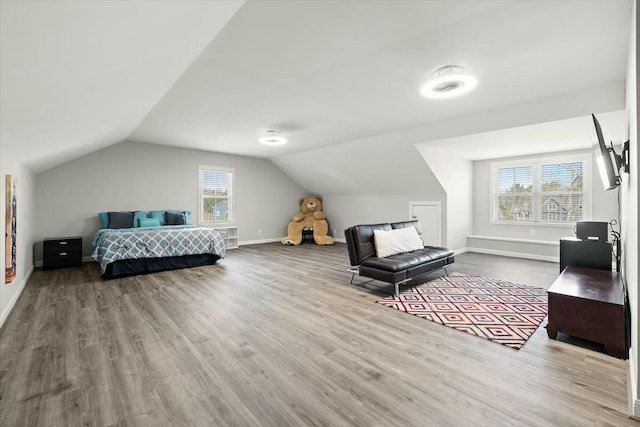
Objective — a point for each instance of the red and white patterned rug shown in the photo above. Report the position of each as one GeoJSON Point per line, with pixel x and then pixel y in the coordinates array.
{"type": "Point", "coordinates": [500, 311]}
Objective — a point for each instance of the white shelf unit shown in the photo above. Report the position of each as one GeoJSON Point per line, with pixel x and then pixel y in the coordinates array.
{"type": "Point", "coordinates": [229, 235]}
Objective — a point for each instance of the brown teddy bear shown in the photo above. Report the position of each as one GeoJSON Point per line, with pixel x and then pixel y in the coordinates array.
{"type": "Point", "coordinates": [311, 217]}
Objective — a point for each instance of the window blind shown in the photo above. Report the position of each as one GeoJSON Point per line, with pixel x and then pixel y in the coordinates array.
{"type": "Point", "coordinates": [514, 193]}
{"type": "Point", "coordinates": [216, 189]}
{"type": "Point", "coordinates": [540, 192]}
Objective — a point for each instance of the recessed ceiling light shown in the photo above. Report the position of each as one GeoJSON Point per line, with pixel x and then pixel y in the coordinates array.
{"type": "Point", "coordinates": [272, 138]}
{"type": "Point", "coordinates": [448, 81]}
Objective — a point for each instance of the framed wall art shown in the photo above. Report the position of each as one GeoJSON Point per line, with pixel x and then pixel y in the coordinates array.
{"type": "Point", "coordinates": [10, 229]}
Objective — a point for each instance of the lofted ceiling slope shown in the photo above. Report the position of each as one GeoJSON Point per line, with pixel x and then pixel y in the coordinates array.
{"type": "Point", "coordinates": [327, 73]}
{"type": "Point", "coordinates": [77, 76]}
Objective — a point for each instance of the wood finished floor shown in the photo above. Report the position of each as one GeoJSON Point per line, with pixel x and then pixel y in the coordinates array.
{"type": "Point", "coordinates": [274, 336]}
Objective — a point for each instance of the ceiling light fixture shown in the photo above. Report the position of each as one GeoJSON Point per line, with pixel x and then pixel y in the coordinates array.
{"type": "Point", "coordinates": [448, 81]}
{"type": "Point", "coordinates": [273, 138]}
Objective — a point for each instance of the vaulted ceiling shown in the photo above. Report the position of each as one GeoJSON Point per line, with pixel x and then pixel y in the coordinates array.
{"type": "Point", "coordinates": [78, 76]}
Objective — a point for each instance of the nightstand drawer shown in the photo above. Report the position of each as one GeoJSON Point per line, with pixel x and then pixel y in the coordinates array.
{"type": "Point", "coordinates": [69, 243]}
{"type": "Point", "coordinates": [61, 252]}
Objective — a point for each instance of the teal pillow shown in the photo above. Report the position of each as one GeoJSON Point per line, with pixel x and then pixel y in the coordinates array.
{"type": "Point", "coordinates": [138, 217]}
{"type": "Point", "coordinates": [159, 215]}
{"type": "Point", "coordinates": [149, 222]}
{"type": "Point", "coordinates": [104, 219]}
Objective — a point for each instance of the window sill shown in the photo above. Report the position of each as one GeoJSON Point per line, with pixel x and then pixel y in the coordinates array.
{"type": "Point", "coordinates": [535, 224]}
{"type": "Point", "coordinates": [516, 240]}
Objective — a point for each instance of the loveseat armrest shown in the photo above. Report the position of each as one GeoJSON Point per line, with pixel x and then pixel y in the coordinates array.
{"type": "Point", "coordinates": [360, 241]}
{"type": "Point", "coordinates": [350, 239]}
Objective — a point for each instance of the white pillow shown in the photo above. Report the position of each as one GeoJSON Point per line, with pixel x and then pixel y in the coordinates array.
{"type": "Point", "coordinates": [396, 241]}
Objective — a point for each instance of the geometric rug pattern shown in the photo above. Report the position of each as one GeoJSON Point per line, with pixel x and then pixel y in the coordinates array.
{"type": "Point", "coordinates": [499, 311]}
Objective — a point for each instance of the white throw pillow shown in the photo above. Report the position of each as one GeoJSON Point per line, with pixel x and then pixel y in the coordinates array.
{"type": "Point", "coordinates": [398, 241]}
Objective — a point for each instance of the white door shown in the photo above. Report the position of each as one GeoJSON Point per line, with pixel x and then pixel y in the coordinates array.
{"type": "Point", "coordinates": [430, 216]}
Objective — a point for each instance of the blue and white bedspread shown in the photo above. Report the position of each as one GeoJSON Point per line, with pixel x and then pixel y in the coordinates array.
{"type": "Point", "coordinates": [155, 242]}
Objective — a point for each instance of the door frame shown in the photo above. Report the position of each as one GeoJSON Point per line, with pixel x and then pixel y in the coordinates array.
{"type": "Point", "coordinates": [436, 203]}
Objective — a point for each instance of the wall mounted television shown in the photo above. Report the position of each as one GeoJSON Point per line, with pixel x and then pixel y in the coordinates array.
{"type": "Point", "coordinates": [608, 168]}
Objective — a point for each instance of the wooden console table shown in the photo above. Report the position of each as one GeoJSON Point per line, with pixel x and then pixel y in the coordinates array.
{"type": "Point", "coordinates": [589, 303]}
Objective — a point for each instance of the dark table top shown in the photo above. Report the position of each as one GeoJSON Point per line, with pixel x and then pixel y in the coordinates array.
{"type": "Point", "coordinates": [589, 283]}
{"type": "Point", "coordinates": [62, 238]}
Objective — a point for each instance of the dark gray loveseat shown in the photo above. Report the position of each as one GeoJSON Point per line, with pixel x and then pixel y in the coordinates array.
{"type": "Point", "coordinates": [395, 269]}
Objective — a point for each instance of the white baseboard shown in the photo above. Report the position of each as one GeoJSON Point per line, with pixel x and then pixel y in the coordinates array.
{"type": "Point", "coordinates": [513, 254]}
{"type": "Point", "coordinates": [257, 242]}
{"type": "Point", "coordinates": [516, 240]}
{"type": "Point", "coordinates": [460, 251]}
{"type": "Point", "coordinates": [7, 310]}
{"type": "Point", "coordinates": [340, 240]}
{"type": "Point", "coordinates": [632, 388]}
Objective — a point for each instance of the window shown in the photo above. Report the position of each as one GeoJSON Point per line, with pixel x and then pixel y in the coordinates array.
{"type": "Point", "coordinates": [216, 192]}
{"type": "Point", "coordinates": [545, 190]}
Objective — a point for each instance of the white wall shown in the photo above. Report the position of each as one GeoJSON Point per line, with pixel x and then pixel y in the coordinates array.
{"type": "Point", "coordinates": [381, 165]}
{"type": "Point", "coordinates": [630, 193]}
{"type": "Point", "coordinates": [9, 293]}
{"type": "Point", "coordinates": [364, 183]}
{"type": "Point", "coordinates": [138, 176]}
{"type": "Point", "coordinates": [514, 247]}
{"type": "Point", "coordinates": [78, 76]}
{"type": "Point", "coordinates": [603, 208]}
{"type": "Point", "coordinates": [396, 163]}
{"type": "Point", "coordinates": [455, 174]}
{"type": "Point", "coordinates": [390, 160]}
{"type": "Point", "coordinates": [345, 211]}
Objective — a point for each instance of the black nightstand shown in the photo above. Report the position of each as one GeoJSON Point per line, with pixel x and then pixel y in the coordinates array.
{"type": "Point", "coordinates": [62, 252]}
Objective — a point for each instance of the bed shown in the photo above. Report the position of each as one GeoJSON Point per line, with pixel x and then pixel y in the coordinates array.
{"type": "Point", "coordinates": [130, 251]}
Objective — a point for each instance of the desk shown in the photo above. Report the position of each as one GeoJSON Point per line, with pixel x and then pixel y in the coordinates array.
{"type": "Point", "coordinates": [589, 303]}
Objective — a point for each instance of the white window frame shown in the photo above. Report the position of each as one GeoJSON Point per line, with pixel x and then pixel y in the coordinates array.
{"type": "Point", "coordinates": [230, 196]}
{"type": "Point", "coordinates": [585, 158]}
